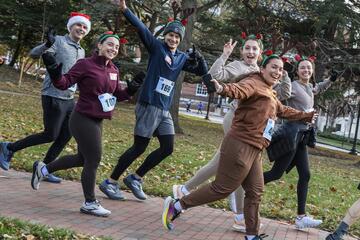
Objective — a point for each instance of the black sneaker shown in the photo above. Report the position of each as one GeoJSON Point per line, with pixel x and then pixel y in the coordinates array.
{"type": "Point", "coordinates": [258, 237]}
{"type": "Point", "coordinates": [334, 236]}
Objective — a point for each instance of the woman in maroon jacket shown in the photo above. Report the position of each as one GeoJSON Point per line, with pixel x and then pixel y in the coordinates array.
{"type": "Point", "coordinates": [98, 82]}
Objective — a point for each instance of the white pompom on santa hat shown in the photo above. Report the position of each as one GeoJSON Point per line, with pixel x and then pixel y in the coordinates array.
{"type": "Point", "coordinates": [76, 17]}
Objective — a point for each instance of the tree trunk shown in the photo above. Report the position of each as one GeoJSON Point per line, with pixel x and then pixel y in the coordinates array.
{"type": "Point", "coordinates": [185, 44]}
{"type": "Point", "coordinates": [174, 110]}
{"type": "Point", "coordinates": [18, 47]}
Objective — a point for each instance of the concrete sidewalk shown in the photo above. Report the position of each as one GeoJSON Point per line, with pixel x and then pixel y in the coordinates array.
{"type": "Point", "coordinates": [57, 205]}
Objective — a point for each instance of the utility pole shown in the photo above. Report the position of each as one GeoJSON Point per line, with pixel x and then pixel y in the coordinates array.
{"type": "Point", "coordinates": [211, 95]}
{"type": "Point", "coordinates": [353, 150]}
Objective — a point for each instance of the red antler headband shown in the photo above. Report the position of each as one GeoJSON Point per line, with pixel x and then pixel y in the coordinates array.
{"type": "Point", "coordinates": [259, 36]}
{"type": "Point", "coordinates": [284, 59]}
{"type": "Point", "coordinates": [243, 35]}
{"type": "Point", "coordinates": [123, 41]}
{"type": "Point", "coordinates": [184, 22]}
{"type": "Point", "coordinates": [299, 58]}
{"type": "Point", "coordinates": [268, 52]}
{"type": "Point", "coordinates": [312, 58]}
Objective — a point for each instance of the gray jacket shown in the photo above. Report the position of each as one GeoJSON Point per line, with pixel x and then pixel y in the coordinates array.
{"type": "Point", "coordinates": [66, 52]}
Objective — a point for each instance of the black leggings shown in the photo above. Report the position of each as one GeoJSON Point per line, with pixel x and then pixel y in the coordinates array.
{"type": "Point", "coordinates": [301, 162]}
{"type": "Point", "coordinates": [138, 148]}
{"type": "Point", "coordinates": [56, 114]}
{"type": "Point", "coordinates": [87, 133]}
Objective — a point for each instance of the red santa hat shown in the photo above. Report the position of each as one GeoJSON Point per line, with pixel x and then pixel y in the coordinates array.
{"type": "Point", "coordinates": [76, 17]}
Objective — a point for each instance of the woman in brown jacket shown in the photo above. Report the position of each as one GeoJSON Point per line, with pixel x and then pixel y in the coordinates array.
{"type": "Point", "coordinates": [240, 154]}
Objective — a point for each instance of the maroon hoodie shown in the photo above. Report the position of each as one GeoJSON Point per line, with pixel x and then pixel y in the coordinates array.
{"type": "Point", "coordinates": [93, 78]}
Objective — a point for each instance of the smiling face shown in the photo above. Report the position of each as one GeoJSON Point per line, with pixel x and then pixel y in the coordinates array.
{"type": "Point", "coordinates": [109, 48]}
{"type": "Point", "coordinates": [251, 52]}
{"type": "Point", "coordinates": [272, 71]}
{"type": "Point", "coordinates": [78, 31]}
{"type": "Point", "coordinates": [305, 70]}
{"type": "Point", "coordinates": [172, 40]}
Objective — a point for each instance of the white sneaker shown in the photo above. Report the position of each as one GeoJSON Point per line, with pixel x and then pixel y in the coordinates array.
{"type": "Point", "coordinates": [307, 222]}
{"type": "Point", "coordinates": [177, 192]}
{"type": "Point", "coordinates": [94, 208]}
{"type": "Point", "coordinates": [239, 226]}
{"type": "Point", "coordinates": [37, 175]}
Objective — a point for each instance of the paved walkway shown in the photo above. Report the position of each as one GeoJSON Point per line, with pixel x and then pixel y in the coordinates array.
{"type": "Point", "coordinates": [57, 205]}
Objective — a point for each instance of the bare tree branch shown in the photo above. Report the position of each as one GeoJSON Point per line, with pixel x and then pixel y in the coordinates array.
{"type": "Point", "coordinates": [207, 6]}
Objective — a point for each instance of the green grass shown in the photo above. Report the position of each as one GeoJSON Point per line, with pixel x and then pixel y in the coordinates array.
{"type": "Point", "coordinates": [332, 186]}
{"type": "Point", "coordinates": [337, 143]}
{"type": "Point", "coordinates": [15, 229]}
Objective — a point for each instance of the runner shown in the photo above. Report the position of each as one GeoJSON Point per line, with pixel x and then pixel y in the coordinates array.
{"type": "Point", "coordinates": [240, 155]}
{"type": "Point", "coordinates": [57, 104]}
{"type": "Point", "coordinates": [152, 109]}
{"type": "Point", "coordinates": [98, 80]}
{"type": "Point", "coordinates": [251, 50]}
{"type": "Point", "coordinates": [296, 155]}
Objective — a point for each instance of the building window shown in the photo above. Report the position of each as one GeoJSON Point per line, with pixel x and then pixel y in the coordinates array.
{"type": "Point", "coordinates": [338, 127]}
{"type": "Point", "coordinates": [201, 90]}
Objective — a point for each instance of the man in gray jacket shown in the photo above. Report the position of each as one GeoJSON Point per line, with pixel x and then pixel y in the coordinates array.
{"type": "Point", "coordinates": [57, 104]}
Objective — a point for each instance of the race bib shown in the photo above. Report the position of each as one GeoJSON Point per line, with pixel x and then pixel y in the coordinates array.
{"type": "Point", "coordinates": [165, 86]}
{"type": "Point", "coordinates": [107, 101]}
{"type": "Point", "coordinates": [113, 76]}
{"type": "Point", "coordinates": [269, 129]}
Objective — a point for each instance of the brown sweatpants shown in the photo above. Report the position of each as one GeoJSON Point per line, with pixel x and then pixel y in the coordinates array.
{"type": "Point", "coordinates": [240, 164]}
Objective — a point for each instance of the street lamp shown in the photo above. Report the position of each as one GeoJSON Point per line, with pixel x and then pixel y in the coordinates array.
{"type": "Point", "coordinates": [211, 95]}
{"type": "Point", "coordinates": [353, 150]}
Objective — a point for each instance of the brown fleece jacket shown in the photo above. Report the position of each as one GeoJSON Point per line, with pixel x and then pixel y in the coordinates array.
{"type": "Point", "coordinates": [257, 103]}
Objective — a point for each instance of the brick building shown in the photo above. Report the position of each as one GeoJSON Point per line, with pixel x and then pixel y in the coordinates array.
{"type": "Point", "coordinates": [198, 93]}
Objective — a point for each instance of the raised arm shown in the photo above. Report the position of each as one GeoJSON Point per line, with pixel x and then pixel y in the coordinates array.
{"type": "Point", "coordinates": [49, 45]}
{"type": "Point", "coordinates": [322, 86]}
{"type": "Point", "coordinates": [219, 70]}
{"type": "Point", "coordinates": [145, 35]}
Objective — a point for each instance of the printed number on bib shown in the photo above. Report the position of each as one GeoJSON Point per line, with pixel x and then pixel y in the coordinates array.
{"type": "Point", "coordinates": [269, 129]}
{"type": "Point", "coordinates": [165, 86]}
{"type": "Point", "coordinates": [107, 101]}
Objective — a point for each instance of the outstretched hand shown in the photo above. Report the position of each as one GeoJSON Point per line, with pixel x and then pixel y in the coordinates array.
{"type": "Point", "coordinates": [217, 85]}
{"type": "Point", "coordinates": [49, 59]}
{"type": "Point", "coordinates": [194, 54]}
{"type": "Point", "coordinates": [229, 47]}
{"type": "Point", "coordinates": [134, 85]}
{"type": "Point", "coordinates": [315, 116]}
{"type": "Point", "coordinates": [333, 75]}
{"type": "Point", "coordinates": [50, 36]}
{"type": "Point", "coordinates": [51, 65]}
